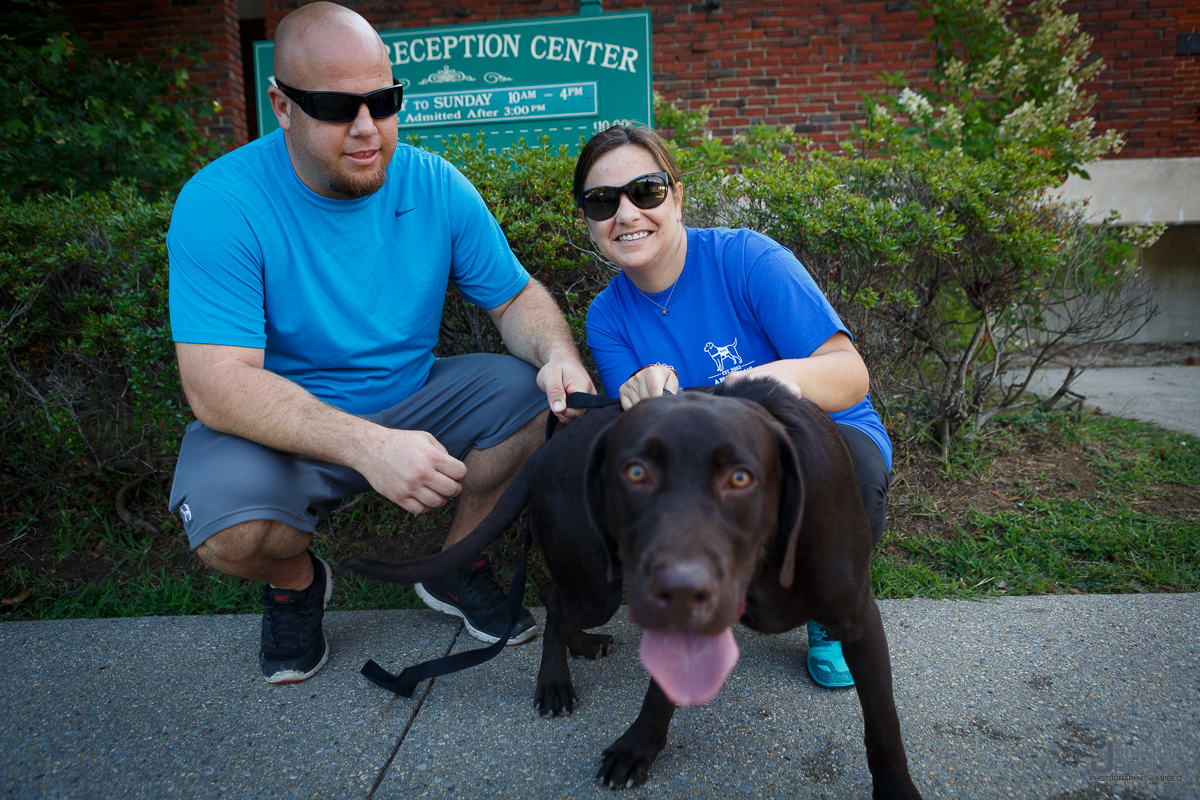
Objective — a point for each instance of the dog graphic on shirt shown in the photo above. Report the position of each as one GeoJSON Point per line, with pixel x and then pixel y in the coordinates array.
{"type": "Point", "coordinates": [719, 354]}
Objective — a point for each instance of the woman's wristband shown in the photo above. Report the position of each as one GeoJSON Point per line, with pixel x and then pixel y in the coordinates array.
{"type": "Point", "coordinates": [655, 364]}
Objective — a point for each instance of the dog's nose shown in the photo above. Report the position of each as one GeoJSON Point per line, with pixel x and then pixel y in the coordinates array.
{"type": "Point", "coordinates": [683, 589]}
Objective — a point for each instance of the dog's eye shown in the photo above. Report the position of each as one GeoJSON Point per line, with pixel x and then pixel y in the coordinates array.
{"type": "Point", "coordinates": [635, 473]}
{"type": "Point", "coordinates": [740, 479]}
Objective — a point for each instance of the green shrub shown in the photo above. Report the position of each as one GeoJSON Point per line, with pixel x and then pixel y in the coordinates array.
{"type": "Point", "coordinates": [75, 118]}
{"type": "Point", "coordinates": [528, 190]}
{"type": "Point", "coordinates": [951, 271]}
{"type": "Point", "coordinates": [1003, 78]}
{"type": "Point", "coordinates": [88, 381]}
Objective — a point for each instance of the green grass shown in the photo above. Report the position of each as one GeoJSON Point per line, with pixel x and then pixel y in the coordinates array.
{"type": "Point", "coordinates": [92, 565]}
{"type": "Point", "coordinates": [89, 564]}
{"type": "Point", "coordinates": [153, 593]}
{"type": "Point", "coordinates": [159, 591]}
{"type": "Point", "coordinates": [1049, 544]}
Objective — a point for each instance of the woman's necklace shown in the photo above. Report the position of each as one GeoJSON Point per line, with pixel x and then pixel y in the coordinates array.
{"type": "Point", "coordinates": [663, 306]}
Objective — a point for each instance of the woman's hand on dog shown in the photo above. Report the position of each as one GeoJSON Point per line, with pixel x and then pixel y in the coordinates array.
{"type": "Point", "coordinates": [648, 382]}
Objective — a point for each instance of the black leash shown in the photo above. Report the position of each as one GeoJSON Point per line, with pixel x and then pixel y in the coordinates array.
{"type": "Point", "coordinates": [406, 682]}
{"type": "Point", "coordinates": [579, 400]}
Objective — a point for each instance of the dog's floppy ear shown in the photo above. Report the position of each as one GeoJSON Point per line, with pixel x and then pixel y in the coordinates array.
{"type": "Point", "coordinates": [593, 493]}
{"type": "Point", "coordinates": [791, 504]}
{"type": "Point", "coordinates": [799, 443]}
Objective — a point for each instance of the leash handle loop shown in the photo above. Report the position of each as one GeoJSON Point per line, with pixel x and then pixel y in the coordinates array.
{"type": "Point", "coordinates": [406, 682]}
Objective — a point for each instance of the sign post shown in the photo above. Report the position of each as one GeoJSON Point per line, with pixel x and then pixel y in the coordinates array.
{"type": "Point", "coordinates": [562, 78]}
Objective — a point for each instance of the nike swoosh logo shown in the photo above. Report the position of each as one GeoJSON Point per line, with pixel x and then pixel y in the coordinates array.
{"type": "Point", "coordinates": [405, 211]}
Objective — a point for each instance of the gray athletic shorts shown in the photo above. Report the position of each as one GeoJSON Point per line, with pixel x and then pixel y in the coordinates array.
{"type": "Point", "coordinates": [474, 401]}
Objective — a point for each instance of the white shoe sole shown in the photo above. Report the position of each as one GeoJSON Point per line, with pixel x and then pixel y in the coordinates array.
{"type": "Point", "coordinates": [328, 581]}
{"type": "Point", "coordinates": [446, 608]}
{"type": "Point", "coordinates": [295, 675]}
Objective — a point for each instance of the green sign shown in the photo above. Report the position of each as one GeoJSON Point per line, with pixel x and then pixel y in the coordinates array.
{"type": "Point", "coordinates": [562, 78]}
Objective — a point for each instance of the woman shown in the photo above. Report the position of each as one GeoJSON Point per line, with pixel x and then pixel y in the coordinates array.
{"type": "Point", "coordinates": [696, 307]}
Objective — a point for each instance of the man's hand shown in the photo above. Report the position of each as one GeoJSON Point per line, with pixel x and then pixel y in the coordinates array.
{"type": "Point", "coordinates": [412, 469]}
{"type": "Point", "coordinates": [231, 392]}
{"type": "Point", "coordinates": [533, 330]}
{"type": "Point", "coordinates": [560, 378]}
{"type": "Point", "coordinates": [646, 383]}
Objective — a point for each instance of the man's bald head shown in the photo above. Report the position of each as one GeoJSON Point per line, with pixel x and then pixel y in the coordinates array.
{"type": "Point", "coordinates": [323, 47]}
{"type": "Point", "coordinates": [320, 37]}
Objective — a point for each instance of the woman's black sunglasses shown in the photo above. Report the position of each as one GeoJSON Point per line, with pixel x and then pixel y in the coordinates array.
{"type": "Point", "coordinates": [343, 106]}
{"type": "Point", "coordinates": [645, 191]}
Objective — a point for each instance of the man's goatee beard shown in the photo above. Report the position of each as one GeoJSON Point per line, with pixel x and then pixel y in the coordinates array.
{"type": "Point", "coordinates": [353, 187]}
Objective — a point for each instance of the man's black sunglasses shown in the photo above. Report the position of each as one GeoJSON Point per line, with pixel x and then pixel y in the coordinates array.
{"type": "Point", "coordinates": [343, 106]}
{"type": "Point", "coordinates": [645, 191]}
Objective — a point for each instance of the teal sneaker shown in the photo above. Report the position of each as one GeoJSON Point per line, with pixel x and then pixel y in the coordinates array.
{"type": "Point", "coordinates": [825, 662]}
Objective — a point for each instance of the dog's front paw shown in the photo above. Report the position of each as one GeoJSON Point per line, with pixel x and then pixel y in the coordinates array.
{"type": "Point", "coordinates": [555, 698]}
{"type": "Point", "coordinates": [626, 764]}
{"type": "Point", "coordinates": [589, 645]}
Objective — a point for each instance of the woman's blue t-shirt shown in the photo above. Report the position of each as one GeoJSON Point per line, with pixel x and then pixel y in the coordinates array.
{"type": "Point", "coordinates": [741, 301]}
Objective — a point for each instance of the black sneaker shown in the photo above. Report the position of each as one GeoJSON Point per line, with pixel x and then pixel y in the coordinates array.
{"type": "Point", "coordinates": [293, 646]}
{"type": "Point", "coordinates": [474, 594]}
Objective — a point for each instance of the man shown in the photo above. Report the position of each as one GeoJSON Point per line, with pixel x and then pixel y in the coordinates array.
{"type": "Point", "coordinates": [308, 272]}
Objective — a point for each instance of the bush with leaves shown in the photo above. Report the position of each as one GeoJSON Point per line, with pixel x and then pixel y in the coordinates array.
{"type": "Point", "coordinates": [953, 272]}
{"type": "Point", "coordinates": [76, 118]}
{"type": "Point", "coordinates": [1003, 78]}
{"type": "Point", "coordinates": [528, 189]}
{"type": "Point", "coordinates": [1034, 280]}
{"type": "Point", "coordinates": [88, 381]}
{"type": "Point", "coordinates": [950, 270]}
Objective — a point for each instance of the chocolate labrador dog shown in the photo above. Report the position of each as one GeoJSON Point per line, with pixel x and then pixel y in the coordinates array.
{"type": "Point", "coordinates": [739, 503]}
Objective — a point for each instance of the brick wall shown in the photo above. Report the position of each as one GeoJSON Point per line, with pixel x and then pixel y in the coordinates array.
{"type": "Point", "coordinates": [430, 13]}
{"type": "Point", "coordinates": [784, 63]}
{"type": "Point", "coordinates": [1137, 93]}
{"type": "Point", "coordinates": [795, 63]}
{"type": "Point", "coordinates": [779, 62]}
{"type": "Point", "coordinates": [125, 30]}
{"type": "Point", "coordinates": [1185, 105]}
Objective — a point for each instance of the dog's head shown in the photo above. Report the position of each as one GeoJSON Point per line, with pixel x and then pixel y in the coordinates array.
{"type": "Point", "coordinates": [691, 491]}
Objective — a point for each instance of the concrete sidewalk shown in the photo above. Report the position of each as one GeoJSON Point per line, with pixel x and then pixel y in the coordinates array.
{"type": "Point", "coordinates": [1017, 697]}
{"type": "Point", "coordinates": [1167, 396]}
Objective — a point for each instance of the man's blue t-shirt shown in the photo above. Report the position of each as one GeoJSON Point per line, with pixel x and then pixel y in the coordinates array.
{"type": "Point", "coordinates": [344, 296]}
{"type": "Point", "coordinates": [741, 301]}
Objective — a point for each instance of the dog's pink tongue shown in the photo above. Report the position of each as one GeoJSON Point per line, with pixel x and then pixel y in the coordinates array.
{"type": "Point", "coordinates": [688, 667]}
